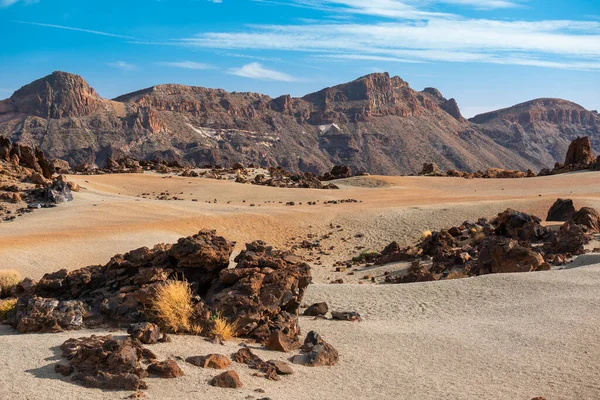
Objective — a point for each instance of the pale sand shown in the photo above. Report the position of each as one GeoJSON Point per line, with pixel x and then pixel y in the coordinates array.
{"type": "Point", "coordinates": [495, 337]}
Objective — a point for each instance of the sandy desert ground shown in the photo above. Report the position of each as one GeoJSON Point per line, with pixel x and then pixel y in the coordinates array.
{"type": "Point", "coordinates": [511, 336]}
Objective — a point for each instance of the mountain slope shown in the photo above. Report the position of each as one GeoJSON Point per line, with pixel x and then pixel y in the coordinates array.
{"type": "Point", "coordinates": [540, 129]}
{"type": "Point", "coordinates": [375, 123]}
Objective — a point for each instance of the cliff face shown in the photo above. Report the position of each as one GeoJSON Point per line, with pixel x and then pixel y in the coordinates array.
{"type": "Point", "coordinates": [540, 129]}
{"type": "Point", "coordinates": [375, 123]}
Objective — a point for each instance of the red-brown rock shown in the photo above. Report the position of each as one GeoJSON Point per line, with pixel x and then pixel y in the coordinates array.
{"type": "Point", "coordinates": [228, 379]}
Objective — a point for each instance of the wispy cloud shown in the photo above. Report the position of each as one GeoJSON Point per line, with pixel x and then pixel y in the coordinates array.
{"type": "Point", "coordinates": [258, 71]}
{"type": "Point", "coordinates": [70, 28]}
{"type": "Point", "coordinates": [185, 64]}
{"type": "Point", "coordinates": [7, 3]}
{"type": "Point", "coordinates": [125, 66]}
{"type": "Point", "coordinates": [552, 44]}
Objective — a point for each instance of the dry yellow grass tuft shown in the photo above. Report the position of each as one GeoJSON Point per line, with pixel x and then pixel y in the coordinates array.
{"type": "Point", "coordinates": [456, 275]}
{"type": "Point", "coordinates": [173, 307]}
{"type": "Point", "coordinates": [222, 328]}
{"type": "Point", "coordinates": [6, 306]}
{"type": "Point", "coordinates": [8, 279]}
{"type": "Point", "coordinates": [426, 234]}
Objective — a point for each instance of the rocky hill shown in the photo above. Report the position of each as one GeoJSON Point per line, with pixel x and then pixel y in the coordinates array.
{"type": "Point", "coordinates": [540, 129]}
{"type": "Point", "coordinates": [376, 123]}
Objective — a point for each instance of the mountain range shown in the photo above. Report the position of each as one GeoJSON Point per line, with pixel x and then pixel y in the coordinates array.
{"type": "Point", "coordinates": [376, 123]}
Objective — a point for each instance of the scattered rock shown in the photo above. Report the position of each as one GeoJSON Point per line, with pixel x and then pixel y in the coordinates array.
{"type": "Point", "coordinates": [317, 352]}
{"type": "Point", "coordinates": [346, 316]}
{"type": "Point", "coordinates": [145, 332]}
{"type": "Point", "coordinates": [228, 379]}
{"type": "Point", "coordinates": [317, 309]}
{"type": "Point", "coordinates": [561, 210]}
{"type": "Point", "coordinates": [105, 362]}
{"type": "Point", "coordinates": [216, 361]}
{"type": "Point", "coordinates": [165, 369]}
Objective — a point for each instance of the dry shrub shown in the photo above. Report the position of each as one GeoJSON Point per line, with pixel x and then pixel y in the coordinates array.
{"type": "Point", "coordinates": [366, 255]}
{"type": "Point", "coordinates": [479, 237]}
{"type": "Point", "coordinates": [8, 279]}
{"type": "Point", "coordinates": [6, 306]}
{"type": "Point", "coordinates": [222, 328]}
{"type": "Point", "coordinates": [173, 308]}
{"type": "Point", "coordinates": [456, 275]}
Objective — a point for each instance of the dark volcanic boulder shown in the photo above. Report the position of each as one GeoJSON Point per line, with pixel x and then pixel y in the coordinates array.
{"type": "Point", "coordinates": [317, 352]}
{"type": "Point", "coordinates": [317, 309]}
{"type": "Point", "coordinates": [228, 379]}
{"type": "Point", "coordinates": [145, 332]}
{"type": "Point", "coordinates": [260, 296]}
{"type": "Point", "coordinates": [518, 225]}
{"type": "Point", "coordinates": [570, 240]}
{"type": "Point", "coordinates": [59, 191]}
{"type": "Point", "coordinates": [37, 314]}
{"type": "Point", "coordinates": [499, 255]}
{"type": "Point", "coordinates": [587, 217]}
{"type": "Point", "coordinates": [561, 210]}
{"type": "Point", "coordinates": [429, 169]}
{"type": "Point", "coordinates": [106, 363]}
{"type": "Point", "coordinates": [263, 292]}
{"type": "Point", "coordinates": [580, 152]}
{"type": "Point", "coordinates": [338, 172]}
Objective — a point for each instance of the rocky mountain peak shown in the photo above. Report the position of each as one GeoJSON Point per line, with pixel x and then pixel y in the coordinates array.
{"type": "Point", "coordinates": [556, 111]}
{"type": "Point", "coordinates": [57, 95]}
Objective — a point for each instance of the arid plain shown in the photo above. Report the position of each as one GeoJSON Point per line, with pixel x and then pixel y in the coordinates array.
{"type": "Point", "coordinates": [509, 336]}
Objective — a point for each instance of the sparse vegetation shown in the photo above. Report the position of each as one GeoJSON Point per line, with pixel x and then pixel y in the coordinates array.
{"type": "Point", "coordinates": [222, 328]}
{"type": "Point", "coordinates": [366, 255]}
{"type": "Point", "coordinates": [6, 306]}
{"type": "Point", "coordinates": [456, 275]}
{"type": "Point", "coordinates": [173, 308]}
{"type": "Point", "coordinates": [8, 279]}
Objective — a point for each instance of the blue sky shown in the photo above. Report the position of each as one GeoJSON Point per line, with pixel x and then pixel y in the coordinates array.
{"type": "Point", "coordinates": [485, 53]}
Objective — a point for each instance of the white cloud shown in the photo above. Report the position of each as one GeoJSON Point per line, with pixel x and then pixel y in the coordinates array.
{"type": "Point", "coordinates": [70, 28]}
{"type": "Point", "coordinates": [122, 65]}
{"type": "Point", "coordinates": [257, 71]}
{"type": "Point", "coordinates": [7, 3]}
{"type": "Point", "coordinates": [552, 44]}
{"type": "Point", "coordinates": [186, 65]}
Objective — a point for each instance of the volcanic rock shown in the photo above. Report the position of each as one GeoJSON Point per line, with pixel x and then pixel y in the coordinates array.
{"type": "Point", "coordinates": [505, 255]}
{"type": "Point", "coordinates": [216, 361]}
{"type": "Point", "coordinates": [589, 218]}
{"type": "Point", "coordinates": [317, 309]}
{"type": "Point", "coordinates": [37, 314]}
{"type": "Point", "coordinates": [228, 379]}
{"type": "Point", "coordinates": [165, 369]}
{"type": "Point", "coordinates": [561, 210]}
{"type": "Point", "coordinates": [282, 367]}
{"type": "Point", "coordinates": [106, 363]}
{"type": "Point", "coordinates": [317, 352]}
{"type": "Point", "coordinates": [517, 225]}
{"type": "Point", "coordinates": [346, 316]}
{"type": "Point", "coordinates": [261, 295]}
{"type": "Point", "coordinates": [145, 332]}
{"type": "Point", "coordinates": [580, 152]}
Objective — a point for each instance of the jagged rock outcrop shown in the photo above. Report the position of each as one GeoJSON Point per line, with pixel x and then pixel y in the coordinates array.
{"type": "Point", "coordinates": [369, 124]}
{"type": "Point", "coordinates": [561, 210]}
{"type": "Point", "coordinates": [261, 295]}
{"type": "Point", "coordinates": [580, 152]}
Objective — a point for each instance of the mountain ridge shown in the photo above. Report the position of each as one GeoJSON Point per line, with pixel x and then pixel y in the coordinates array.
{"type": "Point", "coordinates": [375, 123]}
